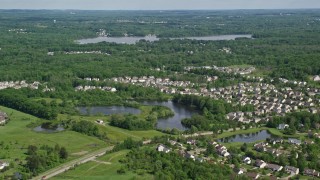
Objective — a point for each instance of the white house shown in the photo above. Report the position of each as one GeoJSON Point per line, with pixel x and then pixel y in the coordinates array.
{"type": "Point", "coordinates": [163, 148]}
{"type": "Point", "coordinates": [3, 164]}
{"type": "Point", "coordinates": [283, 126]}
{"type": "Point", "coordinates": [260, 163]}
{"type": "Point", "coordinates": [247, 160]}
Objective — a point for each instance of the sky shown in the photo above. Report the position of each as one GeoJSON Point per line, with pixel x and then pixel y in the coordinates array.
{"type": "Point", "coordinates": [158, 4]}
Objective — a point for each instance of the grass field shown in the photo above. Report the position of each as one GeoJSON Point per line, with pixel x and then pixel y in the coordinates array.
{"type": "Point", "coordinates": [104, 167]}
{"type": "Point", "coordinates": [15, 137]}
{"type": "Point", "coordinates": [115, 134]}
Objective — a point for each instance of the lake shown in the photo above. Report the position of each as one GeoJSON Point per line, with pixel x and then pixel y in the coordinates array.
{"type": "Point", "coordinates": [247, 138]}
{"type": "Point", "coordinates": [41, 129]}
{"type": "Point", "coordinates": [180, 112]}
{"type": "Point", "coordinates": [152, 38]}
{"type": "Point", "coordinates": [107, 110]}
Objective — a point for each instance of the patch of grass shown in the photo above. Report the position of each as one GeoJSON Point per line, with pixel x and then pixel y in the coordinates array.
{"type": "Point", "coordinates": [115, 134]}
{"type": "Point", "coordinates": [104, 167]}
{"type": "Point", "coordinates": [15, 137]}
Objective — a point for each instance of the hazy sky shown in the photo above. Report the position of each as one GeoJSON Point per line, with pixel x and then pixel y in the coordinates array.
{"type": "Point", "coordinates": [158, 4]}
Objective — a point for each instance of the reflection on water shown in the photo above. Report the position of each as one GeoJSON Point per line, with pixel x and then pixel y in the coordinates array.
{"type": "Point", "coordinates": [247, 138]}
{"type": "Point", "coordinates": [151, 38]}
{"type": "Point", "coordinates": [107, 110]}
{"type": "Point", "coordinates": [180, 112]}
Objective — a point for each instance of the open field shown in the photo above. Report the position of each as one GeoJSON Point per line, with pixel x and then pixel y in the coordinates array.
{"type": "Point", "coordinates": [104, 167]}
{"type": "Point", "coordinates": [114, 133]}
{"type": "Point", "coordinates": [16, 137]}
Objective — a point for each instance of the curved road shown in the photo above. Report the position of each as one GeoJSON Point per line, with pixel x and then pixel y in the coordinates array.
{"type": "Point", "coordinates": [66, 166]}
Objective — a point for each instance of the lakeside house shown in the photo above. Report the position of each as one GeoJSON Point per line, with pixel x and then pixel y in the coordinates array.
{"type": "Point", "coordinates": [283, 126]}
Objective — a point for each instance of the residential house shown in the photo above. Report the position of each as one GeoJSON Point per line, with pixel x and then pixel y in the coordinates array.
{"type": "Point", "coordinates": [247, 160]}
{"type": "Point", "coordinates": [311, 172]}
{"type": "Point", "coordinates": [283, 126]}
{"type": "Point", "coordinates": [260, 164]}
{"type": "Point", "coordinates": [274, 167]}
{"type": "Point", "coordinates": [253, 175]}
{"type": "Point", "coordinates": [3, 164]}
{"type": "Point", "coordinates": [294, 141]}
{"type": "Point", "coordinates": [163, 148]}
{"type": "Point", "coordinates": [291, 170]}
{"type": "Point", "coordinates": [189, 156]}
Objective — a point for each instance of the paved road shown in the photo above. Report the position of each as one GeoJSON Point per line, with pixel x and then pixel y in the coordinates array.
{"type": "Point", "coordinates": [64, 167]}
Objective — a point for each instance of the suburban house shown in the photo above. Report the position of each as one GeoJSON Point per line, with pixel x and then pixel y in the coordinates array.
{"type": "Point", "coordinates": [163, 148]}
{"type": "Point", "coordinates": [3, 164]}
{"type": "Point", "coordinates": [294, 141]}
{"type": "Point", "coordinates": [99, 121]}
{"type": "Point", "coordinates": [247, 160]}
{"type": "Point", "coordinates": [274, 167]}
{"type": "Point", "coordinates": [253, 175]}
{"type": "Point", "coordinates": [283, 126]}
{"type": "Point", "coordinates": [311, 172]}
{"type": "Point", "coordinates": [260, 163]}
{"type": "Point", "coordinates": [291, 170]}
{"type": "Point", "coordinates": [3, 118]}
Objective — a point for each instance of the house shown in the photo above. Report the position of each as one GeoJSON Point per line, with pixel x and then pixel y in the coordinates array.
{"type": "Point", "coordinates": [247, 160]}
{"type": "Point", "coordinates": [191, 142]}
{"type": "Point", "coordinates": [3, 165]}
{"type": "Point", "coordinates": [240, 171]}
{"type": "Point", "coordinates": [276, 141]}
{"type": "Point", "coordinates": [189, 156]}
{"type": "Point", "coordinates": [260, 163]}
{"type": "Point", "coordinates": [291, 170]}
{"type": "Point", "coordinates": [283, 126]}
{"type": "Point", "coordinates": [311, 172]}
{"type": "Point", "coordinates": [3, 118]}
{"type": "Point", "coordinates": [99, 121]}
{"type": "Point", "coordinates": [163, 148]}
{"type": "Point", "coordinates": [274, 167]}
{"type": "Point", "coordinates": [253, 175]}
{"type": "Point", "coordinates": [294, 141]}
{"type": "Point", "coordinates": [316, 78]}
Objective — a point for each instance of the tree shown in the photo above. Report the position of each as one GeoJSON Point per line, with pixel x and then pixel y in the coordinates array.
{"type": "Point", "coordinates": [63, 153]}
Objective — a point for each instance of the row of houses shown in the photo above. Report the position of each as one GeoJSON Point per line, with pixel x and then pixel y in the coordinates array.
{"type": "Point", "coordinates": [19, 84]}
{"type": "Point", "coordinates": [86, 52]}
{"type": "Point", "coordinates": [229, 70]}
{"type": "Point", "coordinates": [266, 98]}
{"type": "Point", "coordinates": [88, 88]}
{"type": "Point", "coordinates": [275, 167]}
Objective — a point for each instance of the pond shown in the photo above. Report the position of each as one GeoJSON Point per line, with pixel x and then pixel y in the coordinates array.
{"type": "Point", "coordinates": [152, 38]}
{"type": "Point", "coordinates": [180, 112]}
{"type": "Point", "coordinates": [107, 110]}
{"type": "Point", "coordinates": [247, 138]}
{"type": "Point", "coordinates": [41, 129]}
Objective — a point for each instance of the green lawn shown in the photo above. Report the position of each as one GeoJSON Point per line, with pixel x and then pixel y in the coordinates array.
{"type": "Point", "coordinates": [115, 134]}
{"type": "Point", "coordinates": [104, 167]}
{"type": "Point", "coordinates": [16, 137]}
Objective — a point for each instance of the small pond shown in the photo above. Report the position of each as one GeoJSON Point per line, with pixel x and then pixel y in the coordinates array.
{"type": "Point", "coordinates": [152, 38]}
{"type": "Point", "coordinates": [41, 129]}
{"type": "Point", "coordinates": [180, 112]}
{"type": "Point", "coordinates": [247, 138]}
{"type": "Point", "coordinates": [107, 110]}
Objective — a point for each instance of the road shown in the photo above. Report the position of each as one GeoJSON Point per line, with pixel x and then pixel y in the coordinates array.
{"type": "Point", "coordinates": [64, 167]}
